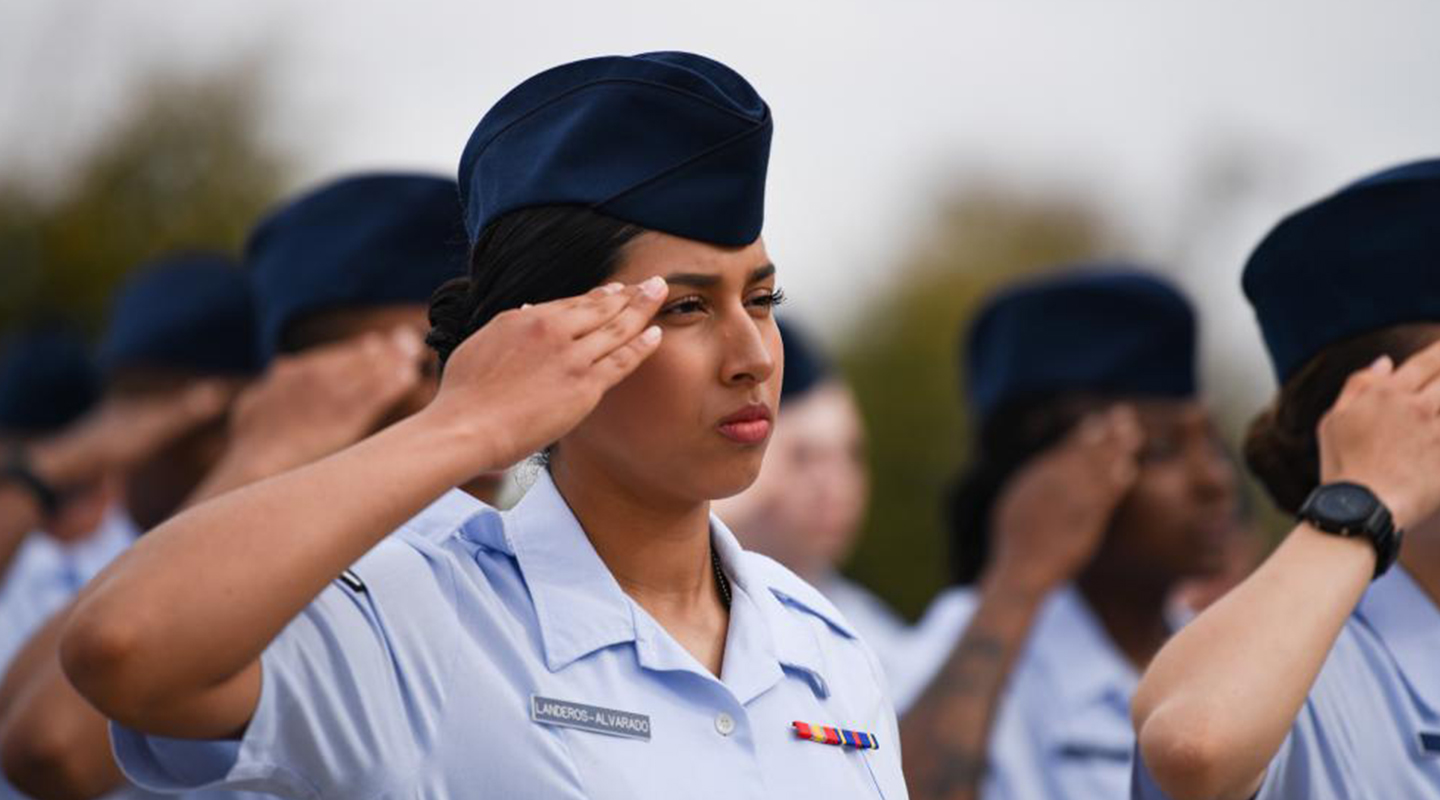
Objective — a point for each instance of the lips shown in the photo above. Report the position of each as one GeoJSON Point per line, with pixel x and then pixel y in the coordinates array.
{"type": "Point", "coordinates": [749, 425]}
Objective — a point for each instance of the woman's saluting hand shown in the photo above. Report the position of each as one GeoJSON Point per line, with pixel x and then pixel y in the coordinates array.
{"type": "Point", "coordinates": [533, 373]}
{"type": "Point", "coordinates": [1384, 432]}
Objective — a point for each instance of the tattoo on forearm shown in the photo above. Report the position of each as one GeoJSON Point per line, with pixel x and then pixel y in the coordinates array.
{"type": "Point", "coordinates": [960, 772]}
{"type": "Point", "coordinates": [953, 718]}
{"type": "Point", "coordinates": [978, 664]}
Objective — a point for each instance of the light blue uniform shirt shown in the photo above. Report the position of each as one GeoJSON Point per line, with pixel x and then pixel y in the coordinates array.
{"type": "Point", "coordinates": [461, 667]}
{"type": "Point", "coordinates": [1370, 728]}
{"type": "Point", "coordinates": [1062, 730]}
{"type": "Point", "coordinates": [875, 622]}
{"type": "Point", "coordinates": [46, 573]}
{"type": "Point", "coordinates": [44, 576]}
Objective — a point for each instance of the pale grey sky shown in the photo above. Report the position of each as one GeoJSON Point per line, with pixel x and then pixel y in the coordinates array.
{"type": "Point", "coordinates": [878, 105]}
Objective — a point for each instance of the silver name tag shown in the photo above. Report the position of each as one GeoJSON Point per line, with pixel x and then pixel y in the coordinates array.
{"type": "Point", "coordinates": [549, 711]}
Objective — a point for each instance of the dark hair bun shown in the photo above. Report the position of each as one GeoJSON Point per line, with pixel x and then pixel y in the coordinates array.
{"type": "Point", "coordinates": [1286, 461]}
{"type": "Point", "coordinates": [450, 312]}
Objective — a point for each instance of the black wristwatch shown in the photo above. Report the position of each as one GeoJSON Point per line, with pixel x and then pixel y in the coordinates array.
{"type": "Point", "coordinates": [1349, 509]}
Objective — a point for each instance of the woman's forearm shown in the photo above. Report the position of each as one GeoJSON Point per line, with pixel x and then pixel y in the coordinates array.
{"type": "Point", "coordinates": [53, 744]}
{"type": "Point", "coordinates": [199, 598]}
{"type": "Point", "coordinates": [1218, 700]}
{"type": "Point", "coordinates": [946, 734]}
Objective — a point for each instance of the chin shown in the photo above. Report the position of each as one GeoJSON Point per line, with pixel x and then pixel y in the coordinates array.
{"type": "Point", "coordinates": [730, 479]}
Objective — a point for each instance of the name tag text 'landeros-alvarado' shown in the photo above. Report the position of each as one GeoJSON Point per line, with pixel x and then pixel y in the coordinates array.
{"type": "Point", "coordinates": [549, 711]}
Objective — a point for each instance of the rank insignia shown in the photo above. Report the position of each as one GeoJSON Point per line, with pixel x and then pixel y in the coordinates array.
{"type": "Point", "coordinates": [825, 734]}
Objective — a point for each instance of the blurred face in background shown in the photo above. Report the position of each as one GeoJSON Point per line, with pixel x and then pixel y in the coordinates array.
{"type": "Point", "coordinates": [806, 507]}
{"type": "Point", "coordinates": [155, 488]}
{"type": "Point", "coordinates": [1178, 519]}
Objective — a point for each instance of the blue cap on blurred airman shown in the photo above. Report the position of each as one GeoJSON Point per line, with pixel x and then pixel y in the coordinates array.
{"type": "Point", "coordinates": [365, 240]}
{"type": "Point", "coordinates": [47, 380]}
{"type": "Point", "coordinates": [1101, 328]}
{"type": "Point", "coordinates": [186, 312]}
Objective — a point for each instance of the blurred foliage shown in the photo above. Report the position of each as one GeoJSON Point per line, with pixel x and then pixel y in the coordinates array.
{"type": "Point", "coordinates": [184, 167]}
{"type": "Point", "coordinates": [903, 360]}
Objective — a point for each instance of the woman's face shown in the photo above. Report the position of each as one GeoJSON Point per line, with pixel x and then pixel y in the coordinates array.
{"type": "Point", "coordinates": [692, 422]}
{"type": "Point", "coordinates": [807, 505]}
{"type": "Point", "coordinates": [1175, 522]}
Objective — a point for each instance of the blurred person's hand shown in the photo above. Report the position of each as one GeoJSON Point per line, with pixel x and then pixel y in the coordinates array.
{"type": "Point", "coordinates": [1053, 514]}
{"type": "Point", "coordinates": [125, 430]}
{"type": "Point", "coordinates": [310, 405]}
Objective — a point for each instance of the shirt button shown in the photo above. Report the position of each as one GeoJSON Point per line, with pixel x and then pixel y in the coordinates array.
{"type": "Point", "coordinates": [724, 724]}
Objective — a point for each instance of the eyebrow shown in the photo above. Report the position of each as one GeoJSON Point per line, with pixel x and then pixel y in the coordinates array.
{"type": "Point", "coordinates": [701, 280]}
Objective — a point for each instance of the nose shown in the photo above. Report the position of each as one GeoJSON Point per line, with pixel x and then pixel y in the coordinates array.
{"type": "Point", "coordinates": [1212, 473]}
{"type": "Point", "coordinates": [748, 358]}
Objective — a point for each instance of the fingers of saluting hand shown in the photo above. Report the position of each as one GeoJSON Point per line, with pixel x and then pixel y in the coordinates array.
{"type": "Point", "coordinates": [1109, 441]}
{"type": "Point", "coordinates": [625, 324]}
{"type": "Point", "coordinates": [583, 315]}
{"type": "Point", "coordinates": [1418, 371]}
{"type": "Point", "coordinates": [621, 361]}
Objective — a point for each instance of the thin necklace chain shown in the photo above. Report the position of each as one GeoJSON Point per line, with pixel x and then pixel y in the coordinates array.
{"type": "Point", "coordinates": [720, 579]}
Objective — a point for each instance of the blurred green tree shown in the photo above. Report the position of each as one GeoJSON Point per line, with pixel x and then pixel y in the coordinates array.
{"type": "Point", "coordinates": [185, 166]}
{"type": "Point", "coordinates": [903, 360]}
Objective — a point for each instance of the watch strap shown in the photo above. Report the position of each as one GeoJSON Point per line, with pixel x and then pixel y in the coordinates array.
{"type": "Point", "coordinates": [1379, 528]}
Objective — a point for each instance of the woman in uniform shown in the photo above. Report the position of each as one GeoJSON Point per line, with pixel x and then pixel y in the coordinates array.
{"type": "Point", "coordinates": [1098, 484]}
{"type": "Point", "coordinates": [605, 638]}
{"type": "Point", "coordinates": [1319, 676]}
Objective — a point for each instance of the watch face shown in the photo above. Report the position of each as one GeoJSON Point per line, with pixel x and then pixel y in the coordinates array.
{"type": "Point", "coordinates": [1345, 505]}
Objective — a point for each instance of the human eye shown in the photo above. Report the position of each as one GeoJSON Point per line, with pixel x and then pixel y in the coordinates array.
{"type": "Point", "coordinates": [768, 299]}
{"type": "Point", "coordinates": [684, 307]}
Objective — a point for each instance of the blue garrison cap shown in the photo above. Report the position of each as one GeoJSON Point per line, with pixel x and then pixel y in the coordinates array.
{"type": "Point", "coordinates": [191, 312]}
{"type": "Point", "coordinates": [673, 142]}
{"type": "Point", "coordinates": [47, 380]}
{"type": "Point", "coordinates": [366, 240]}
{"type": "Point", "coordinates": [1365, 258]}
{"type": "Point", "coordinates": [805, 363]}
{"type": "Point", "coordinates": [1105, 329]}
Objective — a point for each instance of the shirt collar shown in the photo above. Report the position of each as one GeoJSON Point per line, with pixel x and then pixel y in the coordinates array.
{"type": "Point", "coordinates": [1076, 651]}
{"type": "Point", "coordinates": [442, 517]}
{"type": "Point", "coordinates": [765, 636]}
{"type": "Point", "coordinates": [580, 608]}
{"type": "Point", "coordinates": [1407, 623]}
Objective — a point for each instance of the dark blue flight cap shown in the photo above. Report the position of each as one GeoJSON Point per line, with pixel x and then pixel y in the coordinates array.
{"type": "Point", "coordinates": [673, 142]}
{"type": "Point", "coordinates": [1363, 259]}
{"type": "Point", "coordinates": [1107, 329]}
{"type": "Point", "coordinates": [366, 240]}
{"type": "Point", "coordinates": [47, 380]}
{"type": "Point", "coordinates": [805, 363]}
{"type": "Point", "coordinates": [190, 312]}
